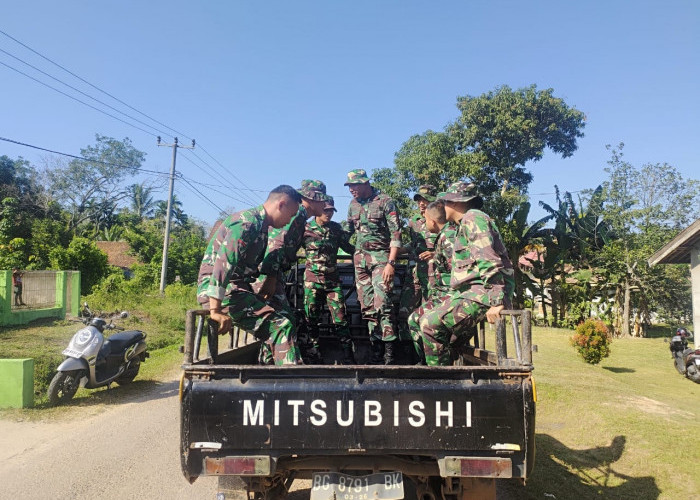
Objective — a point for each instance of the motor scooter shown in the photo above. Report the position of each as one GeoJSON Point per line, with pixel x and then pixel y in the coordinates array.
{"type": "Point", "coordinates": [686, 360]}
{"type": "Point", "coordinates": [95, 361]}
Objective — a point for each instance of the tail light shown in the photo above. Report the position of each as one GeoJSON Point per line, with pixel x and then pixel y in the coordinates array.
{"type": "Point", "coordinates": [238, 466]}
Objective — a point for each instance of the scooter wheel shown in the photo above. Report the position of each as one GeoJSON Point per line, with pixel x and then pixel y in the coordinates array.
{"type": "Point", "coordinates": [63, 386]}
{"type": "Point", "coordinates": [130, 374]}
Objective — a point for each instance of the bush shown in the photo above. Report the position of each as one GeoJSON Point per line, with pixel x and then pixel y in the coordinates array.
{"type": "Point", "coordinates": [592, 341]}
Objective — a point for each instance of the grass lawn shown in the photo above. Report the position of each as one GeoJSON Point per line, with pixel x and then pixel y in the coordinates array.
{"type": "Point", "coordinates": [625, 429]}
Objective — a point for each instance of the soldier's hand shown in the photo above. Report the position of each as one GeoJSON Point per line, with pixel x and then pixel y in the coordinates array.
{"type": "Point", "coordinates": [493, 313]}
{"type": "Point", "coordinates": [388, 274]}
{"type": "Point", "coordinates": [268, 287]}
{"type": "Point", "coordinates": [427, 255]}
{"type": "Point", "coordinates": [224, 321]}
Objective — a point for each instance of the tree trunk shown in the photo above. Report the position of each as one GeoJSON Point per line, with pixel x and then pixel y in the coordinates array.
{"type": "Point", "coordinates": [625, 332]}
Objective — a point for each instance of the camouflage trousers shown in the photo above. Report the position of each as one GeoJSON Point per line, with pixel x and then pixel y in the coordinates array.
{"type": "Point", "coordinates": [270, 322]}
{"type": "Point", "coordinates": [414, 292]}
{"type": "Point", "coordinates": [374, 296]}
{"type": "Point", "coordinates": [315, 294]}
{"type": "Point", "coordinates": [443, 323]}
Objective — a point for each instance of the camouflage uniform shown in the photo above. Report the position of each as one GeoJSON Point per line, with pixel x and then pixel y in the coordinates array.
{"type": "Point", "coordinates": [229, 266]}
{"type": "Point", "coordinates": [419, 276]}
{"type": "Point", "coordinates": [440, 282]}
{"type": "Point", "coordinates": [282, 247]}
{"type": "Point", "coordinates": [321, 279]}
{"type": "Point", "coordinates": [375, 220]}
{"type": "Point", "coordinates": [482, 277]}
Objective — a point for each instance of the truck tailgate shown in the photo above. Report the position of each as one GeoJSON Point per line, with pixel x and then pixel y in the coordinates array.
{"type": "Point", "coordinates": [340, 410]}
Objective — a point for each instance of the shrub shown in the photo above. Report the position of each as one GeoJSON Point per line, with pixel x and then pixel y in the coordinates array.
{"type": "Point", "coordinates": [592, 341]}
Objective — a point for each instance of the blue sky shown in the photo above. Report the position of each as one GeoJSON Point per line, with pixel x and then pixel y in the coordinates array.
{"type": "Point", "coordinates": [279, 91]}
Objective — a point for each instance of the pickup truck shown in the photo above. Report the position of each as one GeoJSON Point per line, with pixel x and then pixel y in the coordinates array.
{"type": "Point", "coordinates": [358, 432]}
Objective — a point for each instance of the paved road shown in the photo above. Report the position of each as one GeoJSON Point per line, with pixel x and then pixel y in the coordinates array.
{"type": "Point", "coordinates": [129, 451]}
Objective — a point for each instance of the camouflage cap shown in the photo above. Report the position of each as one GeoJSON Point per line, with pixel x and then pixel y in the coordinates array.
{"type": "Point", "coordinates": [461, 192]}
{"type": "Point", "coordinates": [357, 176]}
{"type": "Point", "coordinates": [426, 191]}
{"type": "Point", "coordinates": [330, 204]}
{"type": "Point", "coordinates": [313, 190]}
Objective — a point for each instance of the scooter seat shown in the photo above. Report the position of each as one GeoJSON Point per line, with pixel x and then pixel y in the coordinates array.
{"type": "Point", "coordinates": [121, 340]}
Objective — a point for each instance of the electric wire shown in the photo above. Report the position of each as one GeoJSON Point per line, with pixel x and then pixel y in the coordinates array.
{"type": "Point", "coordinates": [83, 93]}
{"type": "Point", "coordinates": [224, 171]}
{"type": "Point", "coordinates": [76, 99]}
{"type": "Point", "coordinates": [94, 86]}
{"type": "Point", "coordinates": [138, 169]}
{"type": "Point", "coordinates": [225, 176]}
{"type": "Point", "coordinates": [245, 202]}
{"type": "Point", "coordinates": [202, 195]}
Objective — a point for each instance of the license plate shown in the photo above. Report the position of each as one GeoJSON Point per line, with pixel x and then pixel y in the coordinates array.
{"type": "Point", "coordinates": [336, 486]}
{"type": "Point", "coordinates": [697, 361]}
{"type": "Point", "coordinates": [71, 353]}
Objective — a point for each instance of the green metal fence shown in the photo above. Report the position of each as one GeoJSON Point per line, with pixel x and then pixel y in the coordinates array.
{"type": "Point", "coordinates": [45, 294]}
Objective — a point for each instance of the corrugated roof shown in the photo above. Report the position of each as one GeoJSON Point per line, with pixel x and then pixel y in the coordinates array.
{"type": "Point", "coordinates": [117, 253]}
{"type": "Point", "coordinates": [677, 251]}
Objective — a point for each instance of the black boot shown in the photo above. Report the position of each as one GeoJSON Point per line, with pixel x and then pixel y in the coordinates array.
{"type": "Point", "coordinates": [348, 354]}
{"type": "Point", "coordinates": [391, 352]}
{"type": "Point", "coordinates": [377, 355]}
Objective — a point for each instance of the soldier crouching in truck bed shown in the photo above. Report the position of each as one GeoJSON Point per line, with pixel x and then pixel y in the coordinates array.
{"type": "Point", "coordinates": [374, 218]}
{"type": "Point", "coordinates": [322, 239]}
{"type": "Point", "coordinates": [230, 265]}
{"type": "Point", "coordinates": [282, 246]}
{"type": "Point", "coordinates": [481, 282]}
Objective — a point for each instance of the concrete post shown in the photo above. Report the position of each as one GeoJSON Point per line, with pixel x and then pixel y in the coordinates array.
{"type": "Point", "coordinates": [695, 284]}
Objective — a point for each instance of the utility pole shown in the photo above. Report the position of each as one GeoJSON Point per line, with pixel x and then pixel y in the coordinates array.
{"type": "Point", "coordinates": [166, 240]}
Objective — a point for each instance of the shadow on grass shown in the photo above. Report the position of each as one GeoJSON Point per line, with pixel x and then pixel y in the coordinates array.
{"type": "Point", "coordinates": [562, 473]}
{"type": "Point", "coordinates": [135, 392]}
{"type": "Point", "coordinates": [616, 369]}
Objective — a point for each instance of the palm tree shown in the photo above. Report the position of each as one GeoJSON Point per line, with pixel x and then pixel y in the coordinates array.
{"type": "Point", "coordinates": [142, 203]}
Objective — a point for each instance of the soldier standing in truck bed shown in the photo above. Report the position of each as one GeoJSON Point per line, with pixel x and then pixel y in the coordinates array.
{"type": "Point", "coordinates": [322, 239]}
{"type": "Point", "coordinates": [481, 282]}
{"type": "Point", "coordinates": [419, 276]}
{"type": "Point", "coordinates": [282, 247]}
{"type": "Point", "coordinates": [229, 266]}
{"type": "Point", "coordinates": [444, 232]}
{"type": "Point", "coordinates": [373, 217]}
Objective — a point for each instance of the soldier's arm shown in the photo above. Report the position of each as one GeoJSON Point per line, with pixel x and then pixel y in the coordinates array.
{"type": "Point", "coordinates": [393, 222]}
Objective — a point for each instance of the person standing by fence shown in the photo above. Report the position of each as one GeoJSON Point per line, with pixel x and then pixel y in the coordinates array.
{"type": "Point", "coordinates": [17, 286]}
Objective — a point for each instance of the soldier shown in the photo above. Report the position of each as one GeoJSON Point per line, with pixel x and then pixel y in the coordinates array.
{"type": "Point", "coordinates": [282, 247]}
{"type": "Point", "coordinates": [419, 276]}
{"type": "Point", "coordinates": [322, 239]}
{"type": "Point", "coordinates": [374, 218]}
{"type": "Point", "coordinates": [231, 263]}
{"type": "Point", "coordinates": [444, 231]}
{"type": "Point", "coordinates": [481, 282]}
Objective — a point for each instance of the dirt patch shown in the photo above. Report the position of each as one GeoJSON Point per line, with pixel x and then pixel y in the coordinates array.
{"type": "Point", "coordinates": [648, 405]}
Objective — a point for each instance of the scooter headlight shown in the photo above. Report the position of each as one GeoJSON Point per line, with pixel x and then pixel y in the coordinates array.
{"type": "Point", "coordinates": [82, 337]}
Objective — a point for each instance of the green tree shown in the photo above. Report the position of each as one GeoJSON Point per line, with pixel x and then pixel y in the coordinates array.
{"type": "Point", "coordinates": [84, 186]}
{"type": "Point", "coordinates": [490, 143]}
{"type": "Point", "coordinates": [504, 129]}
{"type": "Point", "coordinates": [646, 208]}
{"type": "Point", "coordinates": [141, 201]}
{"type": "Point", "coordinates": [82, 255]}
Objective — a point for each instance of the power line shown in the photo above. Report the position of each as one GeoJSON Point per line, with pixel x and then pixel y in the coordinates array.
{"type": "Point", "coordinates": [76, 99]}
{"type": "Point", "coordinates": [248, 199]}
{"type": "Point", "coordinates": [82, 93]}
{"type": "Point", "coordinates": [224, 171]}
{"type": "Point", "coordinates": [93, 86]}
{"type": "Point", "coordinates": [138, 169]}
{"type": "Point", "coordinates": [232, 174]}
